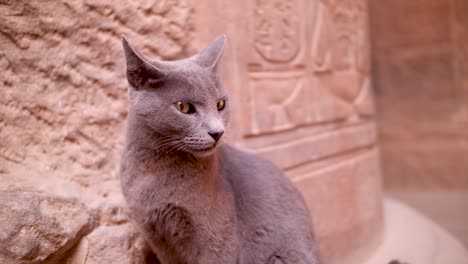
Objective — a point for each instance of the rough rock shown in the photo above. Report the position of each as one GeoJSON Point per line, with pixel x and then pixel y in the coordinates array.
{"type": "Point", "coordinates": [111, 212]}
{"type": "Point", "coordinates": [63, 87]}
{"type": "Point", "coordinates": [38, 228]}
{"type": "Point", "coordinates": [108, 245]}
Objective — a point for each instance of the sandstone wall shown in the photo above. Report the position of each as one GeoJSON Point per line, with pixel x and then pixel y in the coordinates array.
{"type": "Point", "coordinates": [63, 104]}
{"type": "Point", "coordinates": [420, 62]}
{"type": "Point", "coordinates": [298, 74]}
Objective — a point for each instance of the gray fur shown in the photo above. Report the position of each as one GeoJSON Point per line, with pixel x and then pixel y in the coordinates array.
{"type": "Point", "coordinates": [195, 199]}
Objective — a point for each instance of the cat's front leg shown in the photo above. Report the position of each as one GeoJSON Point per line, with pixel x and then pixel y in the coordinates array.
{"type": "Point", "coordinates": [170, 231]}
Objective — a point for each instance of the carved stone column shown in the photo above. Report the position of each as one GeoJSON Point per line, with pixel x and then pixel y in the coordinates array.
{"type": "Point", "coordinates": [298, 73]}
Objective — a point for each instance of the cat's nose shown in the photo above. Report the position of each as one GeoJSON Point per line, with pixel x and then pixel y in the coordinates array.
{"type": "Point", "coordinates": [216, 135]}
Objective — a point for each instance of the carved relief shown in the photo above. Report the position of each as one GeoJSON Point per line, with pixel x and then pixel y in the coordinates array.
{"type": "Point", "coordinates": [339, 48]}
{"type": "Point", "coordinates": [339, 37]}
{"type": "Point", "coordinates": [277, 29]}
{"type": "Point", "coordinates": [277, 83]}
{"type": "Point", "coordinates": [334, 81]}
{"type": "Point", "coordinates": [280, 101]}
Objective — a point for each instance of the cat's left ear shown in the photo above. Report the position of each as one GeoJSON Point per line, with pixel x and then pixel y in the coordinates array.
{"type": "Point", "coordinates": [209, 57]}
{"type": "Point", "coordinates": [140, 70]}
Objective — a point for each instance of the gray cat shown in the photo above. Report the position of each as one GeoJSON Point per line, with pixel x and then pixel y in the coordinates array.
{"type": "Point", "coordinates": [195, 199]}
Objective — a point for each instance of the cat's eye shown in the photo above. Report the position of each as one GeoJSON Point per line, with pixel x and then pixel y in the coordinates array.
{"type": "Point", "coordinates": [221, 104]}
{"type": "Point", "coordinates": [186, 108]}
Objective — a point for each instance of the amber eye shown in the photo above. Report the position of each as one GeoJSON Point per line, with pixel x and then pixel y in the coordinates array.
{"type": "Point", "coordinates": [221, 104]}
{"type": "Point", "coordinates": [186, 108]}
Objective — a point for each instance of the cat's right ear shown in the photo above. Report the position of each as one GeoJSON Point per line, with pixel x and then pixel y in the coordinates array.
{"type": "Point", "coordinates": [140, 71]}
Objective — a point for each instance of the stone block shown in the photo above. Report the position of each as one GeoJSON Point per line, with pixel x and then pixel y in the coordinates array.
{"type": "Point", "coordinates": [39, 228]}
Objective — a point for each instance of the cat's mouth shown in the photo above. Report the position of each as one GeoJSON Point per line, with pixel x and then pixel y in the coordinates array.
{"type": "Point", "coordinates": [206, 151]}
{"type": "Point", "coordinates": [200, 147]}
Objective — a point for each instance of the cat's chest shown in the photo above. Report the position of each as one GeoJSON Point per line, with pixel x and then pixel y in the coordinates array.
{"type": "Point", "coordinates": [160, 190]}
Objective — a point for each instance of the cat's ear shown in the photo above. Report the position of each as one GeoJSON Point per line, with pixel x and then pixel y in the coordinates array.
{"type": "Point", "coordinates": [140, 70]}
{"type": "Point", "coordinates": [209, 57]}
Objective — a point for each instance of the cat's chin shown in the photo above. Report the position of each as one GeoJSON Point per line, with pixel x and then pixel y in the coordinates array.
{"type": "Point", "coordinates": [203, 153]}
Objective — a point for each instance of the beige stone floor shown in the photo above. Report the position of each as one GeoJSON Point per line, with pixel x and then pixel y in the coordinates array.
{"type": "Point", "coordinates": [409, 237]}
{"type": "Point", "coordinates": [449, 209]}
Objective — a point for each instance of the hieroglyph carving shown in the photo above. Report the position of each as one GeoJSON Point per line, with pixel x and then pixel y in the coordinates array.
{"type": "Point", "coordinates": [334, 78]}
{"type": "Point", "coordinates": [340, 52]}
{"type": "Point", "coordinates": [280, 100]}
{"type": "Point", "coordinates": [277, 29]}
{"type": "Point", "coordinates": [339, 40]}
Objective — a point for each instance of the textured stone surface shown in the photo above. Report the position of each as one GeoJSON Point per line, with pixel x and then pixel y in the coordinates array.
{"type": "Point", "coordinates": [108, 245]}
{"type": "Point", "coordinates": [63, 96]}
{"type": "Point", "coordinates": [37, 228]}
{"type": "Point", "coordinates": [297, 71]}
{"type": "Point", "coordinates": [420, 63]}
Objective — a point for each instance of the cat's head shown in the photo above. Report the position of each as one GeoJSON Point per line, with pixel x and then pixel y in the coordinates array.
{"type": "Point", "coordinates": [181, 102]}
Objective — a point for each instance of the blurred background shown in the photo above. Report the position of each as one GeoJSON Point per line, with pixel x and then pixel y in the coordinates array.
{"type": "Point", "coordinates": [363, 104]}
{"type": "Point", "coordinates": [420, 78]}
